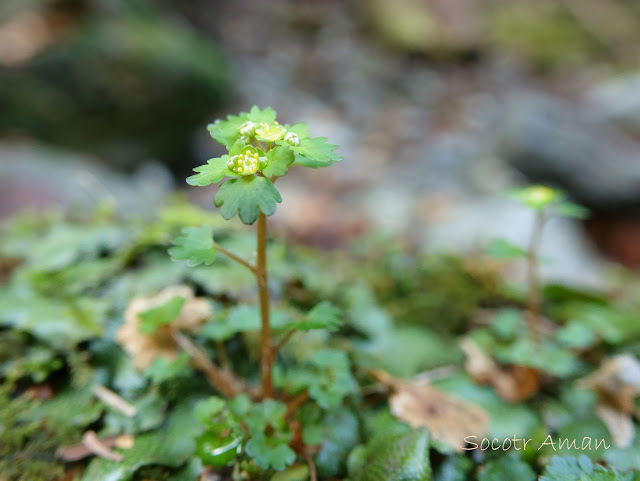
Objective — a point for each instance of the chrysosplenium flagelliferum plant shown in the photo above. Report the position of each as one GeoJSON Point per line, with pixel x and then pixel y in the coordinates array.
{"type": "Point", "coordinates": [260, 423]}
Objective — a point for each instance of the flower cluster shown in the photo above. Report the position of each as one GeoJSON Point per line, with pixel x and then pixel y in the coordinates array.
{"type": "Point", "coordinates": [247, 162]}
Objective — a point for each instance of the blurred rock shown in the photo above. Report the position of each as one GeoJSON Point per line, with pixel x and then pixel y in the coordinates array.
{"type": "Point", "coordinates": [34, 177]}
{"type": "Point", "coordinates": [618, 100]}
{"type": "Point", "coordinates": [436, 27]}
{"type": "Point", "coordinates": [125, 86]}
{"type": "Point", "coordinates": [555, 141]}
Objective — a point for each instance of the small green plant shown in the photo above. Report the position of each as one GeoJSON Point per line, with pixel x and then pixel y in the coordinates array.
{"type": "Point", "coordinates": [545, 202]}
{"type": "Point", "coordinates": [260, 150]}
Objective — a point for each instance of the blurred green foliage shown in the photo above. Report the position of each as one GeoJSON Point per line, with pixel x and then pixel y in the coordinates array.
{"type": "Point", "coordinates": [127, 82]}
{"type": "Point", "coordinates": [74, 278]}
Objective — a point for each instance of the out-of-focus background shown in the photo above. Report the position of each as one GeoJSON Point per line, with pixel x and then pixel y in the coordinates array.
{"type": "Point", "coordinates": [438, 106]}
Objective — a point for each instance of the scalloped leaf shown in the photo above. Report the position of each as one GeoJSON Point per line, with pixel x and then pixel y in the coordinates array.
{"type": "Point", "coordinates": [248, 196]}
{"type": "Point", "coordinates": [316, 152]}
{"type": "Point", "coordinates": [212, 172]}
{"type": "Point", "coordinates": [334, 380]}
{"type": "Point", "coordinates": [261, 116]}
{"type": "Point", "coordinates": [324, 315]}
{"type": "Point", "coordinates": [569, 468]}
{"type": "Point", "coordinates": [280, 158]}
{"type": "Point", "coordinates": [269, 451]}
{"type": "Point", "coordinates": [227, 131]}
{"type": "Point", "coordinates": [195, 246]}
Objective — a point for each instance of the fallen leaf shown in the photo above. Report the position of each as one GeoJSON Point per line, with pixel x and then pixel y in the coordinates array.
{"type": "Point", "coordinates": [513, 383]}
{"type": "Point", "coordinates": [147, 347]}
{"type": "Point", "coordinates": [449, 419]}
{"type": "Point", "coordinates": [619, 424]}
{"type": "Point", "coordinates": [617, 382]}
{"type": "Point", "coordinates": [517, 383]}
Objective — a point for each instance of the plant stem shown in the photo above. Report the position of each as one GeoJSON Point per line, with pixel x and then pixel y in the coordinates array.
{"type": "Point", "coordinates": [265, 331]}
{"type": "Point", "coordinates": [234, 257]}
{"type": "Point", "coordinates": [296, 402]}
{"type": "Point", "coordinates": [221, 379]}
{"type": "Point", "coordinates": [533, 280]}
{"type": "Point", "coordinates": [283, 341]}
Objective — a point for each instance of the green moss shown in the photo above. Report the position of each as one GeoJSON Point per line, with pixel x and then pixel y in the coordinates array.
{"type": "Point", "coordinates": [27, 446]}
{"type": "Point", "coordinates": [440, 292]}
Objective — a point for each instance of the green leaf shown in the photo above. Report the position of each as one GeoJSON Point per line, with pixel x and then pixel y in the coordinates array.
{"type": "Point", "coordinates": [261, 116]}
{"type": "Point", "coordinates": [212, 172]}
{"type": "Point", "coordinates": [153, 318]}
{"type": "Point", "coordinates": [454, 468]}
{"type": "Point", "coordinates": [569, 209]}
{"type": "Point", "coordinates": [508, 324]}
{"type": "Point", "coordinates": [576, 335]}
{"type": "Point", "coordinates": [208, 409]}
{"type": "Point", "coordinates": [502, 249]}
{"type": "Point", "coordinates": [568, 468]}
{"type": "Point", "coordinates": [241, 319]}
{"type": "Point", "coordinates": [280, 158]}
{"type": "Point", "coordinates": [299, 472]}
{"type": "Point", "coordinates": [337, 432]}
{"type": "Point", "coordinates": [395, 457]}
{"type": "Point", "coordinates": [65, 244]}
{"type": "Point", "coordinates": [507, 468]}
{"type": "Point", "coordinates": [272, 450]}
{"type": "Point", "coordinates": [58, 323]}
{"type": "Point", "coordinates": [248, 196]}
{"type": "Point", "coordinates": [164, 369]}
{"type": "Point", "coordinates": [333, 381]}
{"type": "Point", "coordinates": [315, 152]}
{"type": "Point", "coordinates": [169, 446]}
{"type": "Point", "coordinates": [195, 246]}
{"type": "Point", "coordinates": [323, 316]}
{"type": "Point", "coordinates": [151, 412]}
{"type": "Point", "coordinates": [227, 131]}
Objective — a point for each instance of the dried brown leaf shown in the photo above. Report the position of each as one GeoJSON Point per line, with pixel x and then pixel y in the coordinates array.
{"type": "Point", "coordinates": [146, 348]}
{"type": "Point", "coordinates": [617, 382]}
{"type": "Point", "coordinates": [513, 383]}
{"type": "Point", "coordinates": [449, 419]}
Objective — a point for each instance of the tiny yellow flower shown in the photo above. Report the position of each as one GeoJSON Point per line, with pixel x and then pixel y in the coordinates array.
{"type": "Point", "coordinates": [270, 133]}
{"type": "Point", "coordinates": [247, 162]}
{"type": "Point", "coordinates": [539, 196]}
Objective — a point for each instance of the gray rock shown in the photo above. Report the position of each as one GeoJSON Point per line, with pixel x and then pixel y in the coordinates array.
{"type": "Point", "coordinates": [618, 100]}
{"type": "Point", "coordinates": [555, 141]}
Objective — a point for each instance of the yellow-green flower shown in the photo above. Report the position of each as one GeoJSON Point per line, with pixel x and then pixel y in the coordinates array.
{"type": "Point", "coordinates": [247, 162]}
{"type": "Point", "coordinates": [270, 132]}
{"type": "Point", "coordinates": [539, 196]}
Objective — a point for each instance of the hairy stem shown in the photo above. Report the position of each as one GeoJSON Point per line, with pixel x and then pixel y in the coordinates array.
{"type": "Point", "coordinates": [533, 279]}
{"type": "Point", "coordinates": [265, 331]}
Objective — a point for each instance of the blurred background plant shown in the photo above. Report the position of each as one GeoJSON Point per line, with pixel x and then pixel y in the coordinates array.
{"type": "Point", "coordinates": [438, 105]}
